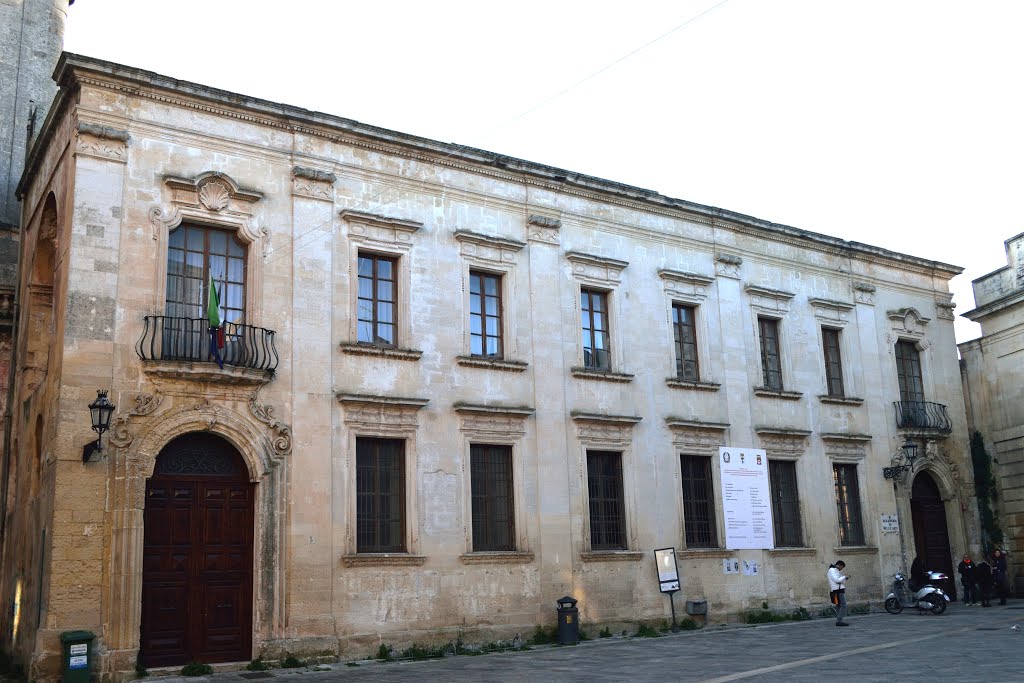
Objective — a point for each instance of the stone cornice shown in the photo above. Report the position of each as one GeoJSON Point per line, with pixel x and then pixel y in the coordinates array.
{"type": "Point", "coordinates": [829, 303]}
{"type": "Point", "coordinates": [767, 293]}
{"type": "Point", "coordinates": [75, 70]}
{"type": "Point", "coordinates": [482, 409]}
{"type": "Point", "coordinates": [488, 240]}
{"type": "Point", "coordinates": [684, 277]}
{"type": "Point", "coordinates": [581, 416]}
{"type": "Point", "coordinates": [681, 423]}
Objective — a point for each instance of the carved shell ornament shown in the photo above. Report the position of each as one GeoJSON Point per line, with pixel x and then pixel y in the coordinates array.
{"type": "Point", "coordinates": [214, 196]}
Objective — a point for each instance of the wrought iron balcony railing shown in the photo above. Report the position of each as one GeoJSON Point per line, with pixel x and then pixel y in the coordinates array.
{"type": "Point", "coordinates": [188, 339]}
{"type": "Point", "coordinates": [922, 415]}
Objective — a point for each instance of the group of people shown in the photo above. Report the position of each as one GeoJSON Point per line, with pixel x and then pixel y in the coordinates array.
{"type": "Point", "coordinates": [981, 579]}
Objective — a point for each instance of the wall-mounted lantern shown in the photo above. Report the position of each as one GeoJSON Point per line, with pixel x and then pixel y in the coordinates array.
{"type": "Point", "coordinates": [100, 411]}
{"type": "Point", "coordinates": [902, 461]}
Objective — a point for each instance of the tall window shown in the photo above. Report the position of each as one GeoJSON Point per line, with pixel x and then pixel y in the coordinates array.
{"type": "Point", "coordinates": [851, 526]}
{"type": "Point", "coordinates": [771, 358]}
{"type": "Point", "coordinates": [377, 300]}
{"type": "Point", "coordinates": [491, 490]}
{"type": "Point", "coordinates": [908, 371]}
{"type": "Point", "coordinates": [833, 362]}
{"type": "Point", "coordinates": [485, 314]}
{"type": "Point", "coordinates": [685, 333]}
{"type": "Point", "coordinates": [785, 504]}
{"type": "Point", "coordinates": [594, 305]}
{"type": "Point", "coordinates": [698, 502]}
{"type": "Point", "coordinates": [380, 495]}
{"type": "Point", "coordinates": [607, 501]}
{"type": "Point", "coordinates": [195, 253]}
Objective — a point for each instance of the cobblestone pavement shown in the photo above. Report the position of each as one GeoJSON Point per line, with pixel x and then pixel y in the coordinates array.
{"type": "Point", "coordinates": [965, 643]}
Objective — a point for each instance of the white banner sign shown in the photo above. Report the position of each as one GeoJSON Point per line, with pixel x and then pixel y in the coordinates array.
{"type": "Point", "coordinates": [746, 498]}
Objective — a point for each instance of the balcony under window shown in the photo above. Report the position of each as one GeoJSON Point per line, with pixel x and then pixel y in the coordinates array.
{"type": "Point", "coordinates": [923, 417]}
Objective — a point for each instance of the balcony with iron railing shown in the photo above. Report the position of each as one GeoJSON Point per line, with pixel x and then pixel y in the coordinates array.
{"type": "Point", "coordinates": [924, 417]}
{"type": "Point", "coordinates": [180, 347]}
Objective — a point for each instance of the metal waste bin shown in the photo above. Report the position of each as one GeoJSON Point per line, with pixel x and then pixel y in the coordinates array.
{"type": "Point", "coordinates": [568, 621]}
{"type": "Point", "coordinates": [76, 659]}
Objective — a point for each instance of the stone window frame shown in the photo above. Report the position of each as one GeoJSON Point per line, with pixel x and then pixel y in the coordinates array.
{"type": "Point", "coordinates": [691, 437]}
{"type": "Point", "coordinates": [212, 200]}
{"type": "Point", "coordinates": [850, 449]}
{"type": "Point", "coordinates": [388, 237]}
{"type": "Point", "coordinates": [836, 315]}
{"type": "Point", "coordinates": [773, 304]}
{"type": "Point", "coordinates": [789, 445]}
{"type": "Point", "coordinates": [907, 324]}
{"type": "Point", "coordinates": [602, 432]}
{"type": "Point", "coordinates": [499, 426]}
{"type": "Point", "coordinates": [386, 417]}
{"type": "Point", "coordinates": [690, 289]}
{"type": "Point", "coordinates": [495, 256]}
{"type": "Point", "coordinates": [604, 275]}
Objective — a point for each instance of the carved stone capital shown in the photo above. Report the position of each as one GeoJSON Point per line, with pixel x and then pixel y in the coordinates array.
{"type": "Point", "coordinates": [282, 439]}
{"type": "Point", "coordinates": [102, 142]}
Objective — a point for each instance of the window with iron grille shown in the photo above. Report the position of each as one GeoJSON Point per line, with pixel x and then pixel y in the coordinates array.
{"type": "Point", "coordinates": [607, 500]}
{"type": "Point", "coordinates": [485, 308]}
{"type": "Point", "coordinates": [377, 300]}
{"type": "Point", "coordinates": [596, 352]}
{"type": "Point", "coordinates": [785, 504]}
{"type": "Point", "coordinates": [833, 361]}
{"type": "Point", "coordinates": [380, 495]}
{"type": "Point", "coordinates": [771, 358]}
{"type": "Point", "coordinates": [698, 502]}
{"type": "Point", "coordinates": [851, 526]}
{"type": "Point", "coordinates": [685, 336]}
{"type": "Point", "coordinates": [491, 490]}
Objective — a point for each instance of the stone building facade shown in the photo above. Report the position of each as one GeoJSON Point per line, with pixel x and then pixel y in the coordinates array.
{"type": "Point", "coordinates": [993, 377]}
{"type": "Point", "coordinates": [456, 387]}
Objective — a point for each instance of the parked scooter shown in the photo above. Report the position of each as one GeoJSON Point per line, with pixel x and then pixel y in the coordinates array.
{"type": "Point", "coordinates": [927, 597]}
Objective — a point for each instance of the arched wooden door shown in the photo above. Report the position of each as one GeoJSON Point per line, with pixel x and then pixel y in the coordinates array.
{"type": "Point", "coordinates": [931, 535]}
{"type": "Point", "coordinates": [197, 555]}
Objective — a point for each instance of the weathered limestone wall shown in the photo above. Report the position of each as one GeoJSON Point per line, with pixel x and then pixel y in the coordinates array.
{"type": "Point", "coordinates": [993, 377]}
{"type": "Point", "coordinates": [306, 196]}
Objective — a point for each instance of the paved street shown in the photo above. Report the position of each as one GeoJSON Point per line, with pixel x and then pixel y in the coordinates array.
{"type": "Point", "coordinates": [964, 644]}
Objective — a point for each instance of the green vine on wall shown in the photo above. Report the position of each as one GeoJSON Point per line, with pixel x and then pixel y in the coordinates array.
{"type": "Point", "coordinates": [986, 491]}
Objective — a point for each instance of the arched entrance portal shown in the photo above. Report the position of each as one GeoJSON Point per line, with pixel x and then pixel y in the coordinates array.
{"type": "Point", "coordinates": [197, 555]}
{"type": "Point", "coordinates": [931, 536]}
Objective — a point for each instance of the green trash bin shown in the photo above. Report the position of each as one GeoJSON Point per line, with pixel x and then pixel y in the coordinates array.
{"type": "Point", "coordinates": [76, 661]}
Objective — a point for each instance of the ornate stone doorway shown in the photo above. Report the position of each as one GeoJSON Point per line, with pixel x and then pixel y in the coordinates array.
{"type": "Point", "coordinates": [197, 578]}
{"type": "Point", "coordinates": [931, 534]}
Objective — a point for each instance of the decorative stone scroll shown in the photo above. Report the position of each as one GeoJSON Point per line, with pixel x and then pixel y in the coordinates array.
{"type": "Point", "coordinates": [783, 442]}
{"type": "Point", "coordinates": [864, 293]}
{"type": "Point", "coordinates": [145, 404]}
{"type": "Point", "coordinates": [487, 249]}
{"type": "Point", "coordinates": [502, 424]}
{"type": "Point", "coordinates": [681, 285]}
{"type": "Point", "coordinates": [282, 440]}
{"type": "Point", "coordinates": [611, 431]}
{"type": "Point", "coordinates": [384, 415]}
{"type": "Point", "coordinates": [697, 438]}
{"type": "Point", "coordinates": [596, 270]}
{"type": "Point", "coordinates": [543, 229]}
{"type": "Point", "coordinates": [209, 196]}
{"type": "Point", "coordinates": [846, 447]}
{"type": "Point", "coordinates": [102, 142]}
{"type": "Point", "coordinates": [944, 310]}
{"type": "Point", "coordinates": [728, 265]}
{"type": "Point", "coordinates": [313, 183]}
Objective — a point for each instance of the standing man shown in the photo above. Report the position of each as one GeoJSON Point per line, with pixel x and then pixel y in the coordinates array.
{"type": "Point", "coordinates": [967, 580]}
{"type": "Point", "coordinates": [1000, 580]}
{"type": "Point", "coordinates": [837, 590]}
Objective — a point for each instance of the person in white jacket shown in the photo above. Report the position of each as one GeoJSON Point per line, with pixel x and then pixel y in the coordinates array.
{"type": "Point", "coordinates": [837, 590]}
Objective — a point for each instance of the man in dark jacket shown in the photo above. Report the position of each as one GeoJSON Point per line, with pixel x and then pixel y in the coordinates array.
{"type": "Point", "coordinates": [983, 575]}
{"type": "Point", "coordinates": [966, 571]}
{"type": "Point", "coordinates": [1000, 581]}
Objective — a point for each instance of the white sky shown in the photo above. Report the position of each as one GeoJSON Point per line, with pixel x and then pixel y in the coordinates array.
{"type": "Point", "coordinates": [898, 123]}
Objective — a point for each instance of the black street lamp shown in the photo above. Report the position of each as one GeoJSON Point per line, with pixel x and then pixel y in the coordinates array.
{"type": "Point", "coordinates": [902, 461]}
{"type": "Point", "coordinates": [100, 411]}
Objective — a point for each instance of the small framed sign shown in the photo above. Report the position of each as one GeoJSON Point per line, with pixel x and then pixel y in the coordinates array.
{"type": "Point", "coordinates": [890, 525]}
{"type": "Point", "coordinates": [668, 570]}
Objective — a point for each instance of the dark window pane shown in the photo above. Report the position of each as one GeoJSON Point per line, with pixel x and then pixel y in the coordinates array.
{"type": "Point", "coordinates": [595, 330]}
{"type": "Point", "coordinates": [685, 335]}
{"type": "Point", "coordinates": [833, 361]}
{"type": "Point", "coordinates": [771, 360]}
{"type": "Point", "coordinates": [193, 254]}
{"type": "Point", "coordinates": [492, 501]}
{"type": "Point", "coordinates": [908, 371]}
{"type": "Point", "coordinates": [785, 504]}
{"type": "Point", "coordinates": [485, 308]}
{"type": "Point", "coordinates": [698, 502]}
{"type": "Point", "coordinates": [375, 309]}
{"type": "Point", "coordinates": [607, 501]}
{"type": "Point", "coordinates": [851, 525]}
{"type": "Point", "coordinates": [380, 495]}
